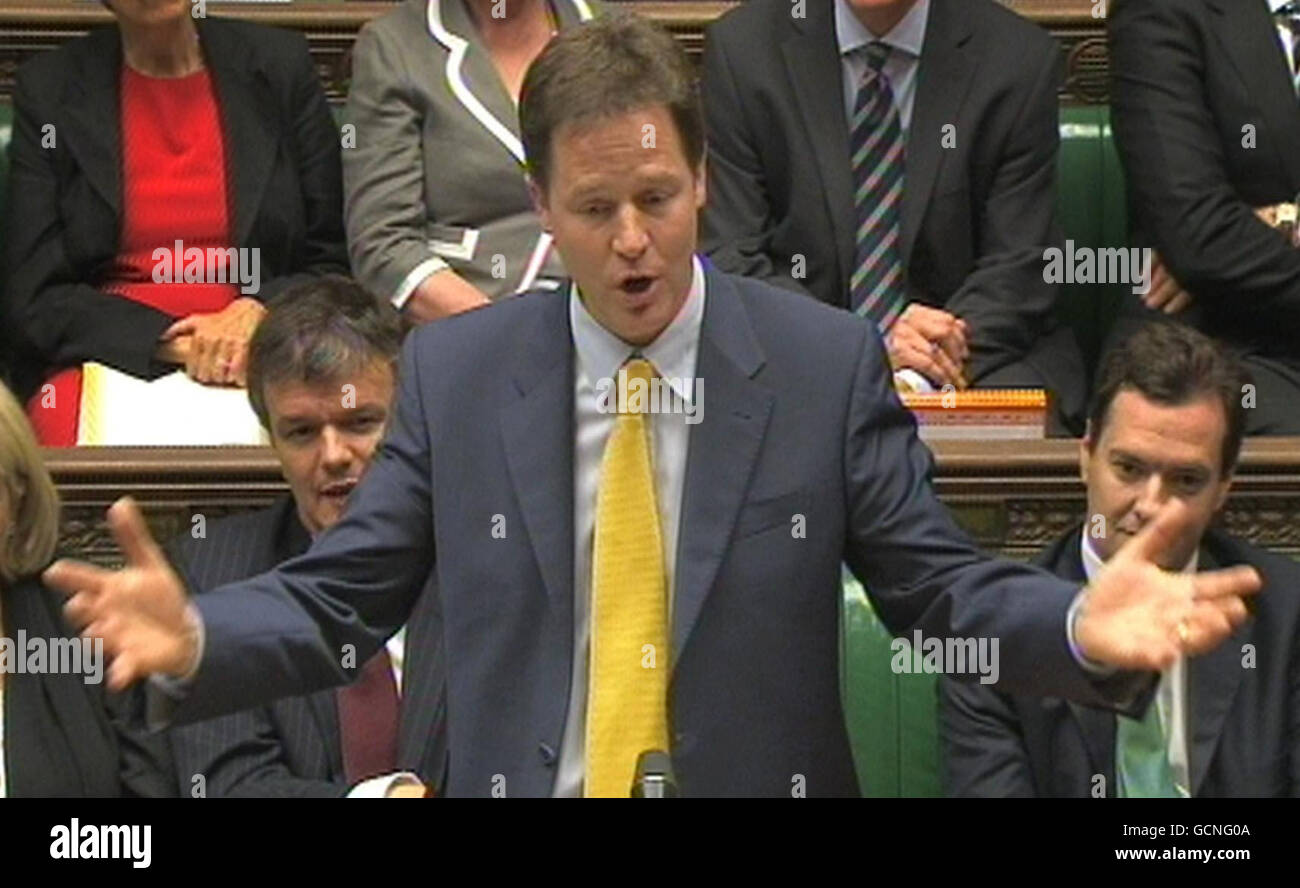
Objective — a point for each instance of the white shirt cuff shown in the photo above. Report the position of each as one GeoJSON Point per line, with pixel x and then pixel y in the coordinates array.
{"type": "Point", "coordinates": [429, 266]}
{"type": "Point", "coordinates": [1071, 617]}
{"type": "Point", "coordinates": [378, 787]}
{"type": "Point", "coordinates": [912, 381]}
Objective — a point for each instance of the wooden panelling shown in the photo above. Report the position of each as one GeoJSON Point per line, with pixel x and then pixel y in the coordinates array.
{"type": "Point", "coordinates": [1013, 499]}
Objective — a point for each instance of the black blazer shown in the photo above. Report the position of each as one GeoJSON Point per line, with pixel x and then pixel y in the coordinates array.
{"type": "Point", "coordinates": [292, 746]}
{"type": "Point", "coordinates": [66, 738]}
{"type": "Point", "coordinates": [976, 217]}
{"type": "Point", "coordinates": [65, 202]}
{"type": "Point", "coordinates": [1187, 78]}
{"type": "Point", "coordinates": [1243, 731]}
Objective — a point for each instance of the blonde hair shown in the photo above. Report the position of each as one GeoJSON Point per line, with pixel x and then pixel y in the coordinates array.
{"type": "Point", "coordinates": [29, 542]}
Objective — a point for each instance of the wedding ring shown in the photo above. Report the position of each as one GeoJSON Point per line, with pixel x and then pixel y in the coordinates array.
{"type": "Point", "coordinates": [1184, 633]}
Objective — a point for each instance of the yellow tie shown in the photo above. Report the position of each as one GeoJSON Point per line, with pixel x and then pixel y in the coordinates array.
{"type": "Point", "coordinates": [627, 692]}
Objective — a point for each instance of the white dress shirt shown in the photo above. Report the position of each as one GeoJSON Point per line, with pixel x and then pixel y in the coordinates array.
{"type": "Point", "coordinates": [904, 40]}
{"type": "Point", "coordinates": [599, 354]}
{"type": "Point", "coordinates": [1171, 695]}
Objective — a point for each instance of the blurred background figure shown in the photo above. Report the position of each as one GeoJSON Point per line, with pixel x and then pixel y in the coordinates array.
{"type": "Point", "coordinates": [884, 157]}
{"type": "Point", "coordinates": [161, 132]}
{"type": "Point", "coordinates": [439, 219]}
{"type": "Point", "coordinates": [1207, 122]}
{"type": "Point", "coordinates": [60, 734]}
{"type": "Point", "coordinates": [321, 377]}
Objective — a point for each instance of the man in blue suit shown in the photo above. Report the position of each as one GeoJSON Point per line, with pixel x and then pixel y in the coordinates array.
{"type": "Point", "coordinates": [499, 474]}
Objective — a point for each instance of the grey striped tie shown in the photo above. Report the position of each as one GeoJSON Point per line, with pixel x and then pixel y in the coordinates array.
{"type": "Point", "coordinates": [876, 145]}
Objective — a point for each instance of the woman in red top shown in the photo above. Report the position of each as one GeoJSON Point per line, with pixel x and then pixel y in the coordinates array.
{"type": "Point", "coordinates": [169, 176]}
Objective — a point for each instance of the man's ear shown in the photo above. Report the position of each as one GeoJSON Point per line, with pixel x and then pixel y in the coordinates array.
{"type": "Point", "coordinates": [538, 196]}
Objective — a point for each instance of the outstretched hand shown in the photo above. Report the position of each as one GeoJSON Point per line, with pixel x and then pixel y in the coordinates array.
{"type": "Point", "coordinates": [141, 611]}
{"type": "Point", "coordinates": [1136, 615]}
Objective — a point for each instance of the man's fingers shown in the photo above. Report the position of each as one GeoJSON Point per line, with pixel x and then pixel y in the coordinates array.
{"type": "Point", "coordinates": [1159, 535]}
{"type": "Point", "coordinates": [1179, 303]}
{"type": "Point", "coordinates": [132, 534]}
{"type": "Point", "coordinates": [1227, 583]}
{"type": "Point", "coordinates": [71, 577]}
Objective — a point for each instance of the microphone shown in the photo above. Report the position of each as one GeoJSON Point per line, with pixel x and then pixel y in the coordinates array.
{"type": "Point", "coordinates": [654, 776]}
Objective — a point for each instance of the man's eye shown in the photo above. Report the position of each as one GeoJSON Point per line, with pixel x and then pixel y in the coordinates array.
{"type": "Point", "coordinates": [595, 209]}
{"type": "Point", "coordinates": [1188, 483]}
{"type": "Point", "coordinates": [1127, 470]}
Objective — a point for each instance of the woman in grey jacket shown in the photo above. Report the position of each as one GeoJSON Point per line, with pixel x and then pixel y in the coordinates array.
{"type": "Point", "coordinates": [438, 214]}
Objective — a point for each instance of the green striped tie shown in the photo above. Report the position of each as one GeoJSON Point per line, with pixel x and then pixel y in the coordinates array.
{"type": "Point", "coordinates": [1142, 758]}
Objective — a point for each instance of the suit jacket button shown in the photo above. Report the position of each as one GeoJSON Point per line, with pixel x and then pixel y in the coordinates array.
{"type": "Point", "coordinates": [547, 751]}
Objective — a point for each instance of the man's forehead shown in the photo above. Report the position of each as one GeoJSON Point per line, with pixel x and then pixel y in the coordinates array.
{"type": "Point", "coordinates": [1188, 433]}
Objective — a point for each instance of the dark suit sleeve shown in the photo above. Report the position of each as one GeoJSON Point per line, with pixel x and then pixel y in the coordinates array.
{"type": "Point", "coordinates": [58, 316]}
{"type": "Point", "coordinates": [241, 756]}
{"type": "Point", "coordinates": [922, 572]}
{"type": "Point", "coordinates": [1005, 300]}
{"type": "Point", "coordinates": [286, 632]}
{"type": "Point", "coordinates": [320, 176]}
{"type": "Point", "coordinates": [738, 223]}
{"type": "Point", "coordinates": [1175, 167]}
{"type": "Point", "coordinates": [984, 754]}
{"type": "Point", "coordinates": [1293, 721]}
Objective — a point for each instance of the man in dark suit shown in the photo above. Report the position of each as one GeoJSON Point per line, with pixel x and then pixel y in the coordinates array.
{"type": "Point", "coordinates": [317, 340]}
{"type": "Point", "coordinates": [885, 157]}
{"type": "Point", "coordinates": [1167, 423]}
{"type": "Point", "coordinates": [1207, 123]}
{"type": "Point", "coordinates": [659, 572]}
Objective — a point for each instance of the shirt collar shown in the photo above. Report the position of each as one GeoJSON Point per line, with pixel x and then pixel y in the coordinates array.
{"type": "Point", "coordinates": [1275, 5]}
{"type": "Point", "coordinates": [1092, 561]}
{"type": "Point", "coordinates": [906, 36]}
{"type": "Point", "coordinates": [673, 352]}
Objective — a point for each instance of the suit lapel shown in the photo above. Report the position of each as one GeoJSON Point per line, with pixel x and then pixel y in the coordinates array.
{"type": "Point", "coordinates": [1212, 682]}
{"type": "Point", "coordinates": [812, 60]}
{"type": "Point", "coordinates": [1251, 40]}
{"type": "Point", "coordinates": [722, 450]}
{"type": "Point", "coordinates": [944, 75]}
{"type": "Point", "coordinates": [537, 430]}
{"type": "Point", "coordinates": [251, 123]}
{"type": "Point", "coordinates": [92, 103]}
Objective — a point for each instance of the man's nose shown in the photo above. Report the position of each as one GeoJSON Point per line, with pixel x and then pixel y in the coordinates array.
{"type": "Point", "coordinates": [335, 452]}
{"type": "Point", "coordinates": [1151, 496]}
{"type": "Point", "coordinates": [630, 238]}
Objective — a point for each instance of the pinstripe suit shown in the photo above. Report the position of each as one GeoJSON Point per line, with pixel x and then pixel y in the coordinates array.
{"type": "Point", "coordinates": [292, 746]}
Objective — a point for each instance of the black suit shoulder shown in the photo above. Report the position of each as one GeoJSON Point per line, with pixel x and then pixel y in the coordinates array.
{"type": "Point", "coordinates": [238, 546]}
